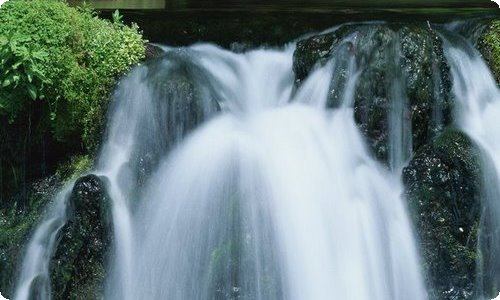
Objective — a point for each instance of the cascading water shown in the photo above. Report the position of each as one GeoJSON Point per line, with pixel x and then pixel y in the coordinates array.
{"type": "Point", "coordinates": [229, 184]}
{"type": "Point", "coordinates": [271, 199]}
{"type": "Point", "coordinates": [478, 99]}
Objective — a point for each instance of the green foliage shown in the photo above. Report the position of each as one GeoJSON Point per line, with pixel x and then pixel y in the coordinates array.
{"type": "Point", "coordinates": [489, 44]}
{"type": "Point", "coordinates": [65, 57]}
{"type": "Point", "coordinates": [23, 77]}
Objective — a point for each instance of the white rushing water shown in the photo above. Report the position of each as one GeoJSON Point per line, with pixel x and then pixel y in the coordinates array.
{"type": "Point", "coordinates": [272, 197]}
{"type": "Point", "coordinates": [477, 114]}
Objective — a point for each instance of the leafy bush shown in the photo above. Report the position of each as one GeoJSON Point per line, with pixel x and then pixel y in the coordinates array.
{"type": "Point", "coordinates": [65, 57]}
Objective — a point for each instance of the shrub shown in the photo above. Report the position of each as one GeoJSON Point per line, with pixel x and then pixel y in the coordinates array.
{"type": "Point", "coordinates": [65, 57]}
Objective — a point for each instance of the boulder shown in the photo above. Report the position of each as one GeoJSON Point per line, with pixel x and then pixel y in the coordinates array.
{"type": "Point", "coordinates": [443, 184]}
{"type": "Point", "coordinates": [78, 265]}
{"type": "Point", "coordinates": [153, 51]}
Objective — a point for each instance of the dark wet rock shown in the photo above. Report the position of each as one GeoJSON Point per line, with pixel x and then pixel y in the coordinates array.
{"type": "Point", "coordinates": [315, 50]}
{"type": "Point", "coordinates": [387, 57]}
{"type": "Point", "coordinates": [78, 265]}
{"type": "Point", "coordinates": [372, 103]}
{"type": "Point", "coordinates": [153, 51]}
{"type": "Point", "coordinates": [443, 189]}
{"type": "Point", "coordinates": [428, 83]}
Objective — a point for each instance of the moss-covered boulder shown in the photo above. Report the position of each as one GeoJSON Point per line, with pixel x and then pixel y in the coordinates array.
{"type": "Point", "coordinates": [78, 265]}
{"type": "Point", "coordinates": [443, 188]}
{"type": "Point", "coordinates": [402, 71]}
{"type": "Point", "coordinates": [489, 46]}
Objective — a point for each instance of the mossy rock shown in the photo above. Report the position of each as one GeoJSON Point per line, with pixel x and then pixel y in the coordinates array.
{"type": "Point", "coordinates": [78, 265]}
{"type": "Point", "coordinates": [443, 183]}
{"type": "Point", "coordinates": [489, 46]}
{"type": "Point", "coordinates": [411, 54]}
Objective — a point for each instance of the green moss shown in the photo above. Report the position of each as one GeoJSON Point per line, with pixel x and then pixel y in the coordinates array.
{"type": "Point", "coordinates": [489, 45]}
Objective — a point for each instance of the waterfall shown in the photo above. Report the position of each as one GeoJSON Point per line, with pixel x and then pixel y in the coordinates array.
{"type": "Point", "coordinates": [229, 183]}
{"type": "Point", "coordinates": [274, 197]}
{"type": "Point", "coordinates": [478, 108]}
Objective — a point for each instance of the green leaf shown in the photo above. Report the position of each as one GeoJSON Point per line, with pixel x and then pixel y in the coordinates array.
{"type": "Point", "coordinates": [40, 55]}
{"type": "Point", "coordinates": [32, 91]}
{"type": "Point", "coordinates": [117, 18]}
{"type": "Point", "coordinates": [6, 82]}
{"type": "Point", "coordinates": [17, 64]}
{"type": "Point", "coordinates": [3, 40]}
